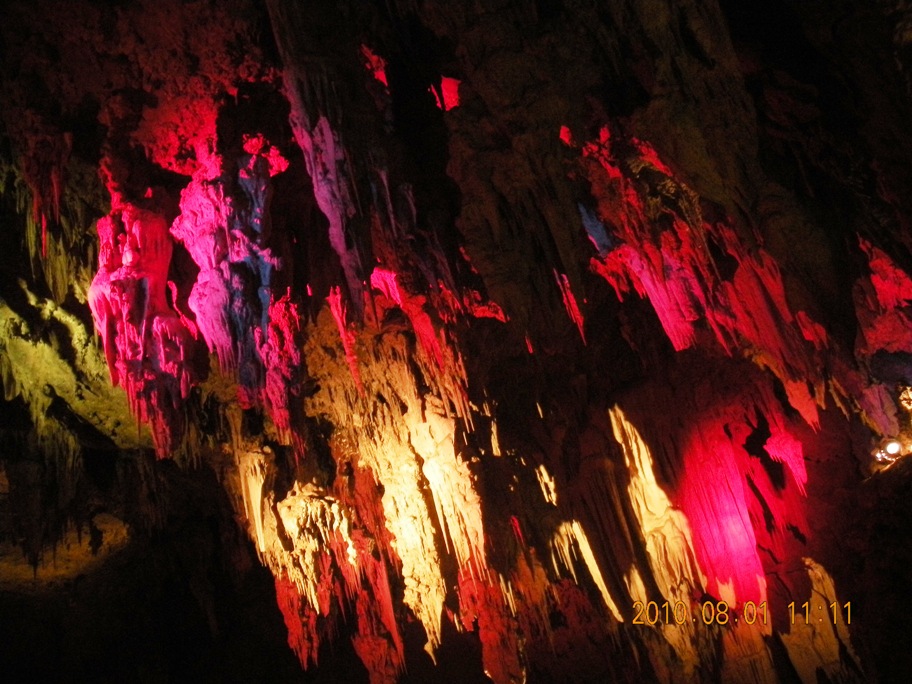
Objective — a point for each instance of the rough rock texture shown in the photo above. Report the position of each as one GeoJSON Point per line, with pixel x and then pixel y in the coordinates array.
{"type": "Point", "coordinates": [549, 340]}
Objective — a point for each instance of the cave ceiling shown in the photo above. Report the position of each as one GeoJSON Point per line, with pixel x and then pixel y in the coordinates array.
{"type": "Point", "coordinates": [438, 341]}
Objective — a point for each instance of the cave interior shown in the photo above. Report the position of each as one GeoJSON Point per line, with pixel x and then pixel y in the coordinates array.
{"type": "Point", "coordinates": [425, 341]}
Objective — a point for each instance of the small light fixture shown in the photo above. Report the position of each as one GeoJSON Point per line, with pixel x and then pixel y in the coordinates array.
{"type": "Point", "coordinates": [882, 456]}
{"type": "Point", "coordinates": [890, 450]}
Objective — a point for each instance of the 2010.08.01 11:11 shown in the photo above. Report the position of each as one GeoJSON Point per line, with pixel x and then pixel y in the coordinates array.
{"type": "Point", "coordinates": [833, 612]}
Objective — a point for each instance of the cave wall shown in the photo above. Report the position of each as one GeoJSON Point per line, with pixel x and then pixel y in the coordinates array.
{"type": "Point", "coordinates": [483, 327]}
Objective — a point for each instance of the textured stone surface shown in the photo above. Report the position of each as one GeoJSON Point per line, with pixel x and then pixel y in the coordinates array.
{"type": "Point", "coordinates": [477, 325]}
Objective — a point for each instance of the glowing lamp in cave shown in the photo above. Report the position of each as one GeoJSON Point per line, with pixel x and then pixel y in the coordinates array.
{"type": "Point", "coordinates": [882, 456]}
{"type": "Point", "coordinates": [890, 450]}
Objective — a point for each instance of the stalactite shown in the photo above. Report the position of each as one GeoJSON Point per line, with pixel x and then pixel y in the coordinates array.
{"type": "Point", "coordinates": [569, 537]}
{"type": "Point", "coordinates": [668, 536]}
{"type": "Point", "coordinates": [882, 307]}
{"type": "Point", "coordinates": [339, 313]}
{"type": "Point", "coordinates": [821, 643]}
{"type": "Point", "coordinates": [676, 271]}
{"type": "Point", "coordinates": [422, 439]}
{"type": "Point", "coordinates": [451, 483]}
{"type": "Point", "coordinates": [43, 165]}
{"type": "Point", "coordinates": [228, 239]}
{"type": "Point", "coordinates": [884, 318]}
{"type": "Point", "coordinates": [32, 367]}
{"type": "Point", "coordinates": [280, 351]}
{"type": "Point", "coordinates": [375, 64]}
{"type": "Point", "coordinates": [747, 656]}
{"type": "Point", "coordinates": [300, 620]}
{"type": "Point", "coordinates": [202, 228]}
{"type": "Point", "coordinates": [253, 467]}
{"type": "Point", "coordinates": [570, 304]}
{"type": "Point", "coordinates": [410, 441]}
{"type": "Point", "coordinates": [147, 347]}
{"type": "Point", "coordinates": [414, 307]}
{"type": "Point", "coordinates": [483, 600]}
{"type": "Point", "coordinates": [327, 165]}
{"type": "Point", "coordinates": [447, 96]}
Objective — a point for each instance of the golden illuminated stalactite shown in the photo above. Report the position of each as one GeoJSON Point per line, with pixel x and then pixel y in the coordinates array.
{"type": "Point", "coordinates": [569, 537]}
{"type": "Point", "coordinates": [409, 520]}
{"type": "Point", "coordinates": [378, 432]}
{"type": "Point", "coordinates": [669, 544]}
{"type": "Point", "coordinates": [495, 440]}
{"type": "Point", "coordinates": [252, 467]}
{"type": "Point", "coordinates": [562, 554]}
{"type": "Point", "coordinates": [407, 442]}
{"type": "Point", "coordinates": [320, 531]}
{"type": "Point", "coordinates": [417, 431]}
{"type": "Point", "coordinates": [506, 591]}
{"type": "Point", "coordinates": [546, 482]}
{"type": "Point", "coordinates": [458, 504]}
{"type": "Point", "coordinates": [635, 586]}
{"type": "Point", "coordinates": [320, 557]}
{"type": "Point", "coordinates": [570, 543]}
{"type": "Point", "coordinates": [820, 644]}
{"type": "Point", "coordinates": [300, 537]}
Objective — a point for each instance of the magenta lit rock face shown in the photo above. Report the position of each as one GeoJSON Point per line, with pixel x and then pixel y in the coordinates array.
{"type": "Point", "coordinates": [280, 352]}
{"type": "Point", "coordinates": [202, 228]}
{"type": "Point", "coordinates": [149, 344]}
{"type": "Point", "coordinates": [252, 333]}
{"type": "Point", "coordinates": [148, 349]}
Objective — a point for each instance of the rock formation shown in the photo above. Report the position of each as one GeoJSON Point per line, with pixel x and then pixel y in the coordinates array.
{"type": "Point", "coordinates": [546, 340]}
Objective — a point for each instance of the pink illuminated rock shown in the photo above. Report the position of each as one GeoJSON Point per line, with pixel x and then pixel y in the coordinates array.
{"type": "Point", "coordinates": [893, 285]}
{"type": "Point", "coordinates": [337, 307]}
{"type": "Point", "coordinates": [202, 228]}
{"type": "Point", "coordinates": [714, 500]}
{"type": "Point", "coordinates": [385, 281]}
{"type": "Point", "coordinates": [414, 307]}
{"type": "Point", "coordinates": [251, 333]}
{"type": "Point", "coordinates": [475, 304]}
{"type": "Point", "coordinates": [447, 97]}
{"type": "Point", "coordinates": [375, 64]}
{"type": "Point", "coordinates": [324, 155]}
{"type": "Point", "coordinates": [281, 354]}
{"type": "Point", "coordinates": [570, 303]}
{"type": "Point", "coordinates": [147, 347]}
{"type": "Point", "coordinates": [258, 145]}
{"type": "Point", "coordinates": [674, 269]}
